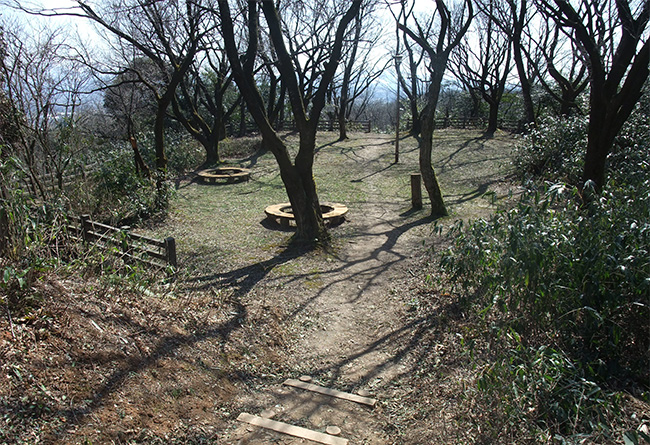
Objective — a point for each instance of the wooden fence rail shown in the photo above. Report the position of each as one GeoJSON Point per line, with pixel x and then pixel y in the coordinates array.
{"type": "Point", "coordinates": [474, 122]}
{"type": "Point", "coordinates": [131, 245]}
{"type": "Point", "coordinates": [323, 125]}
{"type": "Point", "coordinates": [333, 125]}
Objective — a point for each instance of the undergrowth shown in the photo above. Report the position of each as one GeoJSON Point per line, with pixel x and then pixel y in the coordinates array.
{"type": "Point", "coordinates": [561, 291]}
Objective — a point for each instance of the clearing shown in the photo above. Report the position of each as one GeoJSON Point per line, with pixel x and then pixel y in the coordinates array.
{"type": "Point", "coordinates": [104, 360]}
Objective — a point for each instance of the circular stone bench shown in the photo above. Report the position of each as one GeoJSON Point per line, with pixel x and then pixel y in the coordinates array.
{"type": "Point", "coordinates": [227, 174]}
{"type": "Point", "coordinates": [333, 213]}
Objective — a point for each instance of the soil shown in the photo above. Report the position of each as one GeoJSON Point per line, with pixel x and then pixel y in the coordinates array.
{"type": "Point", "coordinates": [99, 360]}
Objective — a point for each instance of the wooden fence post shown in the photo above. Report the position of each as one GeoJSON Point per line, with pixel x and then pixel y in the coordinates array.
{"type": "Point", "coordinates": [416, 190]}
{"type": "Point", "coordinates": [170, 248]}
{"type": "Point", "coordinates": [86, 227]}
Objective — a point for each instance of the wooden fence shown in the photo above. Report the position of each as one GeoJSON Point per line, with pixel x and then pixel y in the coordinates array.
{"type": "Point", "coordinates": [130, 245]}
{"type": "Point", "coordinates": [474, 122]}
{"type": "Point", "coordinates": [323, 125]}
{"type": "Point", "coordinates": [50, 183]}
{"type": "Point", "coordinates": [333, 125]}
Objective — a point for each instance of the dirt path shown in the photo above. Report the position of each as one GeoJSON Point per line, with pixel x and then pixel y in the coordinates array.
{"type": "Point", "coordinates": [358, 307]}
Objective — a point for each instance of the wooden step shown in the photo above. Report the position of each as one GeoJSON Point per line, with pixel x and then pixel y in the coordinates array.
{"type": "Point", "coordinates": [291, 430]}
{"type": "Point", "coordinates": [331, 392]}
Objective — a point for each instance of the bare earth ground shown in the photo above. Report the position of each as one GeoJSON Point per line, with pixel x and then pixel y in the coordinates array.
{"type": "Point", "coordinates": [106, 362]}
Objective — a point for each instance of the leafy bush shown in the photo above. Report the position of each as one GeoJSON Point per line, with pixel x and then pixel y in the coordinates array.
{"type": "Point", "coordinates": [122, 195]}
{"type": "Point", "coordinates": [554, 150]}
{"type": "Point", "coordinates": [13, 206]}
{"type": "Point", "coordinates": [544, 390]}
{"type": "Point", "coordinates": [242, 147]}
{"type": "Point", "coordinates": [33, 238]}
{"type": "Point", "coordinates": [557, 273]}
{"type": "Point", "coordinates": [183, 153]}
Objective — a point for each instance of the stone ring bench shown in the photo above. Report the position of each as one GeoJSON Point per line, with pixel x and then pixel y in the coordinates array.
{"type": "Point", "coordinates": [227, 174]}
{"type": "Point", "coordinates": [333, 213]}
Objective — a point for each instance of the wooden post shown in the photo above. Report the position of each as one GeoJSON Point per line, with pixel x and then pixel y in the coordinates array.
{"type": "Point", "coordinates": [86, 226]}
{"type": "Point", "coordinates": [416, 190]}
{"type": "Point", "coordinates": [170, 248]}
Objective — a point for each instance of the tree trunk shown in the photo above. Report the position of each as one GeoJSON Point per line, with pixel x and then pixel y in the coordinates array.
{"type": "Point", "coordinates": [312, 226]}
{"type": "Point", "coordinates": [343, 131]}
{"type": "Point", "coordinates": [519, 21]}
{"type": "Point", "coordinates": [601, 133]}
{"type": "Point", "coordinates": [298, 180]}
{"type": "Point", "coordinates": [474, 112]}
{"type": "Point", "coordinates": [595, 158]}
{"type": "Point", "coordinates": [492, 119]}
{"type": "Point", "coordinates": [416, 120]}
{"type": "Point", "coordinates": [567, 103]}
{"type": "Point", "coordinates": [529, 107]}
{"type": "Point", "coordinates": [140, 166]}
{"type": "Point", "coordinates": [212, 149]}
{"type": "Point", "coordinates": [609, 109]}
{"type": "Point", "coordinates": [429, 178]}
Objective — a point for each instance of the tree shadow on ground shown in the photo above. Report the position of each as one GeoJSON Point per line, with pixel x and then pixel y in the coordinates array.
{"type": "Point", "coordinates": [413, 348]}
{"type": "Point", "coordinates": [445, 162]}
{"type": "Point", "coordinates": [166, 347]}
{"type": "Point", "coordinates": [241, 280]}
{"type": "Point", "coordinates": [460, 198]}
{"type": "Point", "coordinates": [354, 270]}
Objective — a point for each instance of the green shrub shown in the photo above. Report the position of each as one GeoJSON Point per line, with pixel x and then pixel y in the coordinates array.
{"type": "Point", "coordinates": [554, 150]}
{"type": "Point", "coordinates": [543, 392]}
{"type": "Point", "coordinates": [629, 161]}
{"type": "Point", "coordinates": [13, 206]}
{"type": "Point", "coordinates": [559, 274]}
{"type": "Point", "coordinates": [33, 238]}
{"type": "Point", "coordinates": [242, 147]}
{"type": "Point", "coordinates": [121, 194]}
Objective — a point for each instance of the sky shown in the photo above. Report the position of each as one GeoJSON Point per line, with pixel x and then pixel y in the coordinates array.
{"type": "Point", "coordinates": [86, 30]}
{"type": "Point", "coordinates": [75, 24]}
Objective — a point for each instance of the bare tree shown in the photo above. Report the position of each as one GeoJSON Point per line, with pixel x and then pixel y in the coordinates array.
{"type": "Point", "coordinates": [167, 32]}
{"type": "Point", "coordinates": [200, 101]}
{"type": "Point", "coordinates": [9, 134]}
{"type": "Point", "coordinates": [44, 83]}
{"type": "Point", "coordinates": [513, 17]}
{"type": "Point", "coordinates": [613, 38]}
{"type": "Point", "coordinates": [276, 100]}
{"type": "Point", "coordinates": [451, 29]}
{"type": "Point", "coordinates": [360, 71]}
{"type": "Point", "coordinates": [131, 104]}
{"type": "Point", "coordinates": [484, 63]}
{"type": "Point", "coordinates": [564, 74]}
{"type": "Point", "coordinates": [412, 82]}
{"type": "Point", "coordinates": [296, 174]}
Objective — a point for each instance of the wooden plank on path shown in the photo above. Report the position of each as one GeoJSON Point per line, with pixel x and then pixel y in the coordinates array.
{"type": "Point", "coordinates": [330, 392]}
{"type": "Point", "coordinates": [291, 430]}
